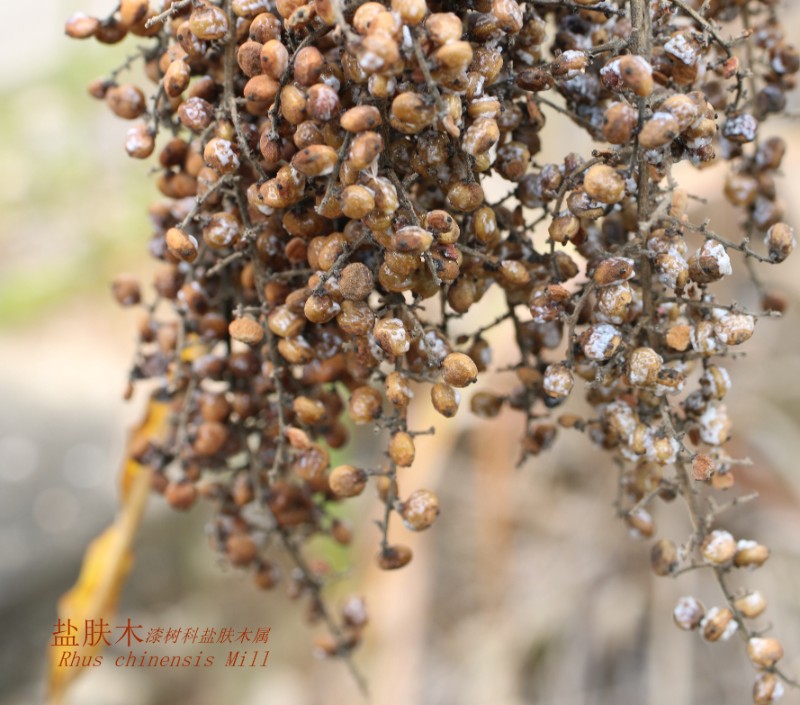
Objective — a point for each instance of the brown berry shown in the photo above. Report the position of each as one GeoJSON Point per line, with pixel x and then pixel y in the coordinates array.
{"type": "Point", "coordinates": [764, 652]}
{"type": "Point", "coordinates": [664, 557]}
{"type": "Point", "coordinates": [182, 245]}
{"type": "Point", "coordinates": [125, 288]}
{"type": "Point", "coordinates": [420, 510]}
{"type": "Point", "coordinates": [459, 370]}
{"type": "Point", "coordinates": [688, 613]}
{"type": "Point", "coordinates": [604, 183]}
{"type": "Point", "coordinates": [347, 481]}
{"type": "Point", "coordinates": [718, 548]}
{"type": "Point", "coordinates": [365, 405]}
{"type": "Point", "coordinates": [394, 557]}
{"type": "Point", "coordinates": [445, 399]}
{"type": "Point", "coordinates": [241, 549]}
{"type": "Point", "coordinates": [401, 449]}
{"type": "Point", "coordinates": [356, 281]}
{"type": "Point", "coordinates": [180, 495]}
{"type": "Point", "coordinates": [247, 330]}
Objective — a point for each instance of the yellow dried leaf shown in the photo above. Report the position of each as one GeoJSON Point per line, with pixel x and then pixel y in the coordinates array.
{"type": "Point", "coordinates": [107, 560]}
{"type": "Point", "coordinates": [154, 427]}
{"type": "Point", "coordinates": [193, 348]}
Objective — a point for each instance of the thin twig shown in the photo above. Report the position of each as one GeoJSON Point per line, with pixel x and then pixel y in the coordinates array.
{"type": "Point", "coordinates": [705, 25]}
{"type": "Point", "coordinates": [199, 201]}
{"type": "Point", "coordinates": [171, 11]}
{"type": "Point", "coordinates": [572, 321]}
{"type": "Point", "coordinates": [606, 9]}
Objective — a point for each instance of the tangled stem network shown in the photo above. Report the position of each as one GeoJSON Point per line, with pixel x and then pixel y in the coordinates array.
{"type": "Point", "coordinates": [325, 219]}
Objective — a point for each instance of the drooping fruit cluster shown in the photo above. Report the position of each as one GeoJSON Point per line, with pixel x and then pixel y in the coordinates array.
{"type": "Point", "coordinates": [327, 214]}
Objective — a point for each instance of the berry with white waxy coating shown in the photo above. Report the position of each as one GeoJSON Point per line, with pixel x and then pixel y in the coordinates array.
{"type": "Point", "coordinates": [397, 389]}
{"type": "Point", "coordinates": [365, 405]}
{"type": "Point", "coordinates": [354, 611]}
{"type": "Point", "coordinates": [688, 613]}
{"type": "Point", "coordinates": [558, 381]}
{"type": "Point", "coordinates": [718, 548]}
{"type": "Point", "coordinates": [767, 689]}
{"type": "Point", "coordinates": [751, 605]}
{"type": "Point", "coordinates": [718, 624]}
{"type": "Point", "coordinates": [640, 523]}
{"type": "Point", "coordinates": [750, 554]}
{"type": "Point", "coordinates": [600, 342]}
{"type": "Point", "coordinates": [614, 302]}
{"type": "Point", "coordinates": [139, 142]}
{"type": "Point", "coordinates": [220, 155]}
{"type": "Point", "coordinates": [392, 336]}
{"type": "Point", "coordinates": [208, 22]}
{"type": "Point", "coordinates": [764, 652]}
{"type": "Point", "coordinates": [715, 382]}
{"type": "Point", "coordinates": [222, 230]}
{"type": "Point", "coordinates": [710, 263]}
{"type": "Point", "coordinates": [420, 510]}
{"type": "Point", "coordinates": [643, 367]}
{"type": "Point", "coordinates": [734, 328]}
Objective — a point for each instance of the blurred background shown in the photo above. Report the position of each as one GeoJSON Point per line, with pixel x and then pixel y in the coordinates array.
{"type": "Point", "coordinates": [528, 590]}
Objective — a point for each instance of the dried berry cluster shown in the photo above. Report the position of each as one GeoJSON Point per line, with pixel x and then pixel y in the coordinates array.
{"type": "Point", "coordinates": [327, 216]}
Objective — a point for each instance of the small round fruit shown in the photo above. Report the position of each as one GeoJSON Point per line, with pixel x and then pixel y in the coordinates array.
{"type": "Point", "coordinates": [420, 510]}
{"type": "Point", "coordinates": [445, 399]}
{"type": "Point", "coordinates": [347, 481]}
{"type": "Point", "coordinates": [401, 449]}
{"type": "Point", "coordinates": [604, 183]}
{"type": "Point", "coordinates": [365, 405]}
{"type": "Point", "coordinates": [459, 370]}
{"type": "Point", "coordinates": [246, 330]}
{"type": "Point", "coordinates": [688, 613]}
{"type": "Point", "coordinates": [241, 549]}
{"type": "Point", "coordinates": [718, 547]}
{"type": "Point", "coordinates": [764, 652]}
{"type": "Point", "coordinates": [394, 557]}
{"type": "Point", "coordinates": [356, 281]}
{"type": "Point", "coordinates": [180, 495]}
